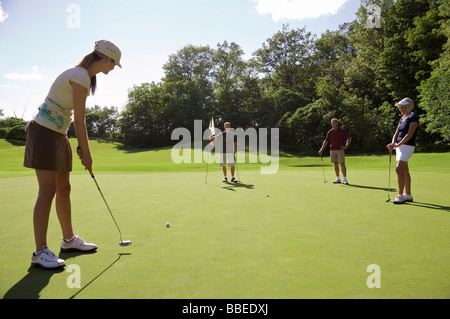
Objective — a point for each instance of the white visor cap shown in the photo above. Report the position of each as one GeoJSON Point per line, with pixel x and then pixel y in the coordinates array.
{"type": "Point", "coordinates": [406, 102]}
{"type": "Point", "coordinates": [109, 49]}
{"type": "Point", "coordinates": [402, 102]}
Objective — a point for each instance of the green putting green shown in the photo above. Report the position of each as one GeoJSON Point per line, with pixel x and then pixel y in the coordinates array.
{"type": "Point", "coordinates": [307, 239]}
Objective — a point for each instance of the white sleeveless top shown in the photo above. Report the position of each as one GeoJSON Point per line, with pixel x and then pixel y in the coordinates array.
{"type": "Point", "coordinates": [56, 112]}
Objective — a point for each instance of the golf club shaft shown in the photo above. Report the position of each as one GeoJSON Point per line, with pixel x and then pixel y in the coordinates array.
{"type": "Point", "coordinates": [237, 170]}
{"type": "Point", "coordinates": [207, 163]}
{"type": "Point", "coordinates": [323, 170]}
{"type": "Point", "coordinates": [120, 233]}
{"type": "Point", "coordinates": [389, 181]}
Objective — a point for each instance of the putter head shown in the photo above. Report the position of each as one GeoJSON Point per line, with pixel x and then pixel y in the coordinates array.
{"type": "Point", "coordinates": [125, 243]}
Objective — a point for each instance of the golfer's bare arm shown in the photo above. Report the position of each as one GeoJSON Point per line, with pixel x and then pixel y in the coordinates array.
{"type": "Point", "coordinates": [347, 144]}
{"type": "Point", "coordinates": [391, 145]}
{"type": "Point", "coordinates": [394, 138]}
{"type": "Point", "coordinates": [412, 128]}
{"type": "Point", "coordinates": [79, 117]}
{"type": "Point", "coordinates": [324, 144]}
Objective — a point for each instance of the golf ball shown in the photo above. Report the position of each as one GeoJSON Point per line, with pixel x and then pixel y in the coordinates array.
{"type": "Point", "coordinates": [267, 195]}
{"type": "Point", "coordinates": [167, 224]}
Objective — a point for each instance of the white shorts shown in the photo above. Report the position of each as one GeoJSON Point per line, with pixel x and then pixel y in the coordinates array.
{"type": "Point", "coordinates": [228, 158]}
{"type": "Point", "coordinates": [404, 152]}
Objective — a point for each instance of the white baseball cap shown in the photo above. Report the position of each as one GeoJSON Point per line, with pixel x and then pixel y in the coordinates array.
{"type": "Point", "coordinates": [402, 102]}
{"type": "Point", "coordinates": [109, 49]}
{"type": "Point", "coordinates": [406, 102]}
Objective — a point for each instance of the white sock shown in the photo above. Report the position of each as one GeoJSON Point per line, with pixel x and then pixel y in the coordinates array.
{"type": "Point", "coordinates": [69, 240]}
{"type": "Point", "coordinates": [43, 248]}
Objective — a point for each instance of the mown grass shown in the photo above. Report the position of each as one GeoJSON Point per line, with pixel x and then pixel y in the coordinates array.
{"type": "Point", "coordinates": [284, 235]}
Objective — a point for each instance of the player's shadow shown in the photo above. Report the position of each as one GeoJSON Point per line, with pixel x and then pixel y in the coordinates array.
{"type": "Point", "coordinates": [430, 206]}
{"type": "Point", "coordinates": [394, 190]}
{"type": "Point", "coordinates": [371, 187]}
{"type": "Point", "coordinates": [96, 277]}
{"type": "Point", "coordinates": [230, 186]}
{"type": "Point", "coordinates": [30, 286]}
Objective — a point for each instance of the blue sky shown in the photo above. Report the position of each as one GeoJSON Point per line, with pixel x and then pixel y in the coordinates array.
{"type": "Point", "coordinates": [41, 38]}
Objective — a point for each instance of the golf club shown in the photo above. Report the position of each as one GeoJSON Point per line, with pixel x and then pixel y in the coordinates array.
{"type": "Point", "coordinates": [122, 242]}
{"type": "Point", "coordinates": [389, 181]}
{"type": "Point", "coordinates": [237, 170]}
{"type": "Point", "coordinates": [323, 170]}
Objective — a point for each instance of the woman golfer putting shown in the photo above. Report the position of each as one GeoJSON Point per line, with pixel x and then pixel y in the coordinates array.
{"type": "Point", "coordinates": [48, 150]}
{"type": "Point", "coordinates": [404, 143]}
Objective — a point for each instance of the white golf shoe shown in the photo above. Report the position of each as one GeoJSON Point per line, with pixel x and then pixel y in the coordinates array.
{"type": "Point", "coordinates": [77, 244]}
{"type": "Point", "coordinates": [408, 198]}
{"type": "Point", "coordinates": [400, 199]}
{"type": "Point", "coordinates": [337, 181]}
{"type": "Point", "coordinates": [46, 259]}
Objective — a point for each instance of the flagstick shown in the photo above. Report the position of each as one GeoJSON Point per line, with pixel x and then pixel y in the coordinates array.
{"type": "Point", "coordinates": [207, 162]}
{"type": "Point", "coordinates": [235, 164]}
{"type": "Point", "coordinates": [212, 130]}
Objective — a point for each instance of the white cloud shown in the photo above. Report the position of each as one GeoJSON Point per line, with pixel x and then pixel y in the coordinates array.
{"type": "Point", "coordinates": [298, 9]}
{"type": "Point", "coordinates": [9, 86]}
{"type": "Point", "coordinates": [33, 76]}
{"type": "Point", "coordinates": [3, 14]}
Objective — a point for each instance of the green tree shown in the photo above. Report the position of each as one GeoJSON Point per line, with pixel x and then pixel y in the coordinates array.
{"type": "Point", "coordinates": [434, 91]}
{"type": "Point", "coordinates": [287, 61]}
{"type": "Point", "coordinates": [142, 123]}
{"type": "Point", "coordinates": [190, 63]}
{"type": "Point", "coordinates": [368, 42]}
{"type": "Point", "coordinates": [13, 128]}
{"type": "Point", "coordinates": [404, 62]}
{"type": "Point", "coordinates": [228, 83]}
{"type": "Point", "coordinates": [187, 86]}
{"type": "Point", "coordinates": [334, 53]}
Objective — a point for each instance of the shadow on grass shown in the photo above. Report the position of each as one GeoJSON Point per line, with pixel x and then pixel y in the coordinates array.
{"type": "Point", "coordinates": [430, 206]}
{"type": "Point", "coordinates": [30, 286]}
{"type": "Point", "coordinates": [16, 142]}
{"type": "Point", "coordinates": [101, 273]}
{"type": "Point", "coordinates": [419, 204]}
{"type": "Point", "coordinates": [131, 150]}
{"type": "Point", "coordinates": [306, 165]}
{"type": "Point", "coordinates": [231, 186]}
{"type": "Point", "coordinates": [372, 187]}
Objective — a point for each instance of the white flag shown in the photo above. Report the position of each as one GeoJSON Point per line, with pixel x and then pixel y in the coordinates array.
{"type": "Point", "coordinates": [211, 127]}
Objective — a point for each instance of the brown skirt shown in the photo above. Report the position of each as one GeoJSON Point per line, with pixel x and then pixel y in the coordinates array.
{"type": "Point", "coordinates": [47, 150]}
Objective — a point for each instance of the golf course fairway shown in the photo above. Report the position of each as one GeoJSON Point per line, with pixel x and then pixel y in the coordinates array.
{"type": "Point", "coordinates": [287, 235]}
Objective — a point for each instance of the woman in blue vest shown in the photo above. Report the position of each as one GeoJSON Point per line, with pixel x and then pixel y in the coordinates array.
{"type": "Point", "coordinates": [404, 143]}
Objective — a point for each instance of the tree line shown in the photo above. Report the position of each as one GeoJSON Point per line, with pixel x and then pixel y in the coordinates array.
{"type": "Point", "coordinates": [298, 82]}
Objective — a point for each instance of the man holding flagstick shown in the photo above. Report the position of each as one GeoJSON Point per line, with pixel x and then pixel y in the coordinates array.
{"type": "Point", "coordinates": [228, 141]}
{"type": "Point", "coordinates": [212, 129]}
